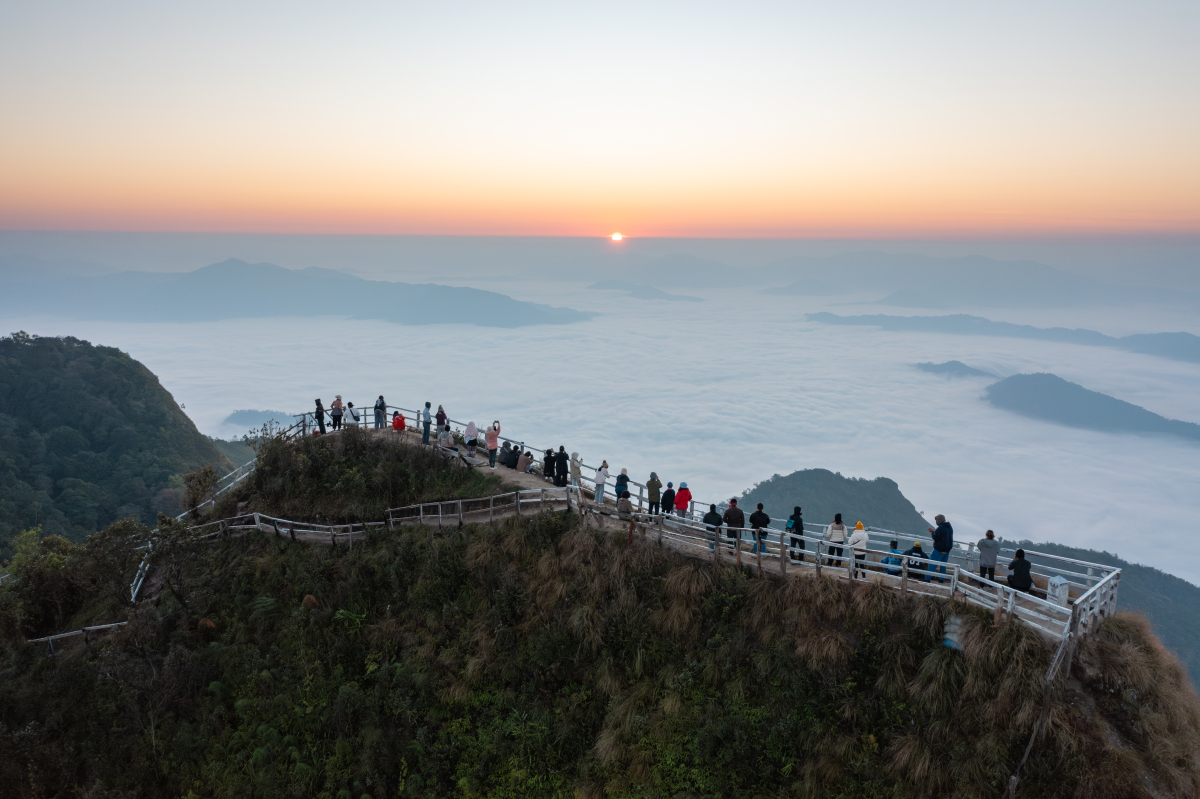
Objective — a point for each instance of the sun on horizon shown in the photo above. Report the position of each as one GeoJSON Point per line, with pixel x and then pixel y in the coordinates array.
{"type": "Point", "coordinates": [616, 237]}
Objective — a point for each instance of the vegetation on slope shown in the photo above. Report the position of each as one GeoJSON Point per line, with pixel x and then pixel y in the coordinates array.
{"type": "Point", "coordinates": [532, 658]}
{"type": "Point", "coordinates": [88, 436]}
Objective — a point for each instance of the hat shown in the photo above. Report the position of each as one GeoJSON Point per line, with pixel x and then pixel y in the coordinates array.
{"type": "Point", "coordinates": [683, 485]}
{"type": "Point", "coordinates": [916, 544]}
{"type": "Point", "coordinates": [858, 526]}
{"type": "Point", "coordinates": [733, 501]}
{"type": "Point", "coordinates": [654, 475]}
{"type": "Point", "coordinates": [670, 485]}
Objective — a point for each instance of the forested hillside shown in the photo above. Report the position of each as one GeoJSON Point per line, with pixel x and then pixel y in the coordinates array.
{"type": "Point", "coordinates": [822, 493]}
{"type": "Point", "coordinates": [88, 436]}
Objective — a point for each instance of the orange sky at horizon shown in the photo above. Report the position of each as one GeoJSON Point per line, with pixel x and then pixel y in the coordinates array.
{"type": "Point", "coordinates": [768, 121]}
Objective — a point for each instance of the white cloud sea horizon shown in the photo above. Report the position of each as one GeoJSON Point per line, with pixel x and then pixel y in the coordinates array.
{"type": "Point", "coordinates": [728, 392]}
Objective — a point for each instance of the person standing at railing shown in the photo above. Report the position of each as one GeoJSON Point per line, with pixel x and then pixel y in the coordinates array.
{"type": "Point", "coordinates": [836, 535]}
{"type": "Point", "coordinates": [893, 558]}
{"type": "Point", "coordinates": [622, 484]}
{"type": "Point", "coordinates": [917, 565]}
{"type": "Point", "coordinates": [601, 479]}
{"type": "Point", "coordinates": [683, 498]}
{"type": "Point", "coordinates": [441, 417]}
{"type": "Point", "coordinates": [989, 548]}
{"type": "Point", "coordinates": [735, 520]}
{"type": "Point", "coordinates": [398, 421]}
{"type": "Point", "coordinates": [576, 470]}
{"type": "Point", "coordinates": [335, 411]}
{"type": "Point", "coordinates": [759, 521]}
{"type": "Point", "coordinates": [653, 494]}
{"type": "Point", "coordinates": [858, 543]}
{"type": "Point", "coordinates": [492, 436]}
{"type": "Point", "coordinates": [712, 522]}
{"type": "Point", "coordinates": [561, 465]}
{"type": "Point", "coordinates": [1019, 573]}
{"type": "Point", "coordinates": [319, 416]}
{"type": "Point", "coordinates": [548, 465]}
{"type": "Point", "coordinates": [380, 412]}
{"type": "Point", "coordinates": [425, 421]}
{"type": "Point", "coordinates": [943, 542]}
{"type": "Point", "coordinates": [470, 438]}
{"type": "Point", "coordinates": [354, 418]}
{"type": "Point", "coordinates": [795, 526]}
{"type": "Point", "coordinates": [668, 499]}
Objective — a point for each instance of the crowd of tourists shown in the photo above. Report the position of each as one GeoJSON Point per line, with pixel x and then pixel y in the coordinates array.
{"type": "Point", "coordinates": [562, 470]}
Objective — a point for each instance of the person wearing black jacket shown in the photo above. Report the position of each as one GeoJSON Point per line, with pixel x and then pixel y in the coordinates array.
{"type": "Point", "coordinates": [319, 415]}
{"type": "Point", "coordinates": [622, 483]}
{"type": "Point", "coordinates": [943, 542]}
{"type": "Point", "coordinates": [735, 521]}
{"type": "Point", "coordinates": [1019, 576]}
{"type": "Point", "coordinates": [712, 521]}
{"type": "Point", "coordinates": [915, 566]}
{"type": "Point", "coordinates": [795, 525]}
{"type": "Point", "coordinates": [548, 465]}
{"type": "Point", "coordinates": [668, 499]}
{"type": "Point", "coordinates": [759, 522]}
{"type": "Point", "coordinates": [561, 464]}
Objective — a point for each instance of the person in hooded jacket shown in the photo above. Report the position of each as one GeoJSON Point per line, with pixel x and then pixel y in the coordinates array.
{"type": "Point", "coordinates": [712, 522]}
{"type": "Point", "coordinates": [441, 417]}
{"type": "Point", "coordinates": [654, 493]}
{"type": "Point", "coordinates": [548, 465]}
{"type": "Point", "coordinates": [624, 506]}
{"type": "Point", "coordinates": [576, 470]}
{"type": "Point", "coordinates": [492, 436]}
{"type": "Point", "coordinates": [380, 412]}
{"type": "Point", "coordinates": [893, 558]}
{"type": "Point", "coordinates": [1020, 574]}
{"type": "Point", "coordinates": [683, 498]}
{"type": "Point", "coordinates": [397, 421]}
{"type": "Point", "coordinates": [471, 438]}
{"type": "Point", "coordinates": [943, 542]}
{"type": "Point", "coordinates": [561, 465]}
{"type": "Point", "coordinates": [735, 521]}
{"type": "Point", "coordinates": [759, 521]}
{"type": "Point", "coordinates": [319, 416]}
{"type": "Point", "coordinates": [795, 526]}
{"type": "Point", "coordinates": [505, 456]}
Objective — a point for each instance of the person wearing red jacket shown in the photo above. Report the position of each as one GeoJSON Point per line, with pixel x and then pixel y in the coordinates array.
{"type": "Point", "coordinates": [397, 421]}
{"type": "Point", "coordinates": [683, 498]}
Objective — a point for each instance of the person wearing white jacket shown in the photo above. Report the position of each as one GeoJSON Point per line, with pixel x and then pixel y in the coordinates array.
{"type": "Point", "coordinates": [601, 479]}
{"type": "Point", "coordinates": [836, 535]}
{"type": "Point", "coordinates": [858, 542]}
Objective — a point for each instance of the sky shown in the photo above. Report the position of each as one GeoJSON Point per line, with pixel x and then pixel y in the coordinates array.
{"type": "Point", "coordinates": [754, 119]}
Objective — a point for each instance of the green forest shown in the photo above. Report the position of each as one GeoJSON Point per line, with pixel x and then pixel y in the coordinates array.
{"type": "Point", "coordinates": [88, 436]}
{"type": "Point", "coordinates": [537, 658]}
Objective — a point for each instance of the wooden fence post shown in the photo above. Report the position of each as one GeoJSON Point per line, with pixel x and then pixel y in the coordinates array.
{"type": "Point", "coordinates": [332, 542]}
{"type": "Point", "coordinates": [817, 556]}
{"type": "Point", "coordinates": [954, 582]}
{"type": "Point", "coordinates": [491, 508]}
{"type": "Point", "coordinates": [739, 548]}
{"type": "Point", "coordinates": [904, 575]}
{"type": "Point", "coordinates": [783, 557]}
{"type": "Point", "coordinates": [460, 513]}
{"type": "Point", "coordinates": [758, 548]}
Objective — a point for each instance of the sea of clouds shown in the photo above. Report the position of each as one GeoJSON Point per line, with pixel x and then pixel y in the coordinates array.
{"type": "Point", "coordinates": [731, 391]}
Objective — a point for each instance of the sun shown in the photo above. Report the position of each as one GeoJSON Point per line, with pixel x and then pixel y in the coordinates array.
{"type": "Point", "coordinates": [616, 237]}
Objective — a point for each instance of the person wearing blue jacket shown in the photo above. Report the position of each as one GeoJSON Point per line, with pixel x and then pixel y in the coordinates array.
{"type": "Point", "coordinates": [943, 542]}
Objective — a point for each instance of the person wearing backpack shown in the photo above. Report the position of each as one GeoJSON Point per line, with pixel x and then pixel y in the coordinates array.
{"type": "Point", "coordinates": [893, 558]}
{"type": "Point", "coordinates": [795, 526]}
{"type": "Point", "coordinates": [622, 483]}
{"type": "Point", "coordinates": [380, 412]}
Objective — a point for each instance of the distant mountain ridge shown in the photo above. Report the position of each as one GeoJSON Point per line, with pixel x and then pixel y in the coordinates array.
{"type": "Point", "coordinates": [822, 493]}
{"type": "Point", "coordinates": [952, 369]}
{"type": "Point", "coordinates": [641, 291]}
{"type": "Point", "coordinates": [1176, 346]}
{"type": "Point", "coordinates": [1049, 397]}
{"type": "Point", "coordinates": [234, 289]}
